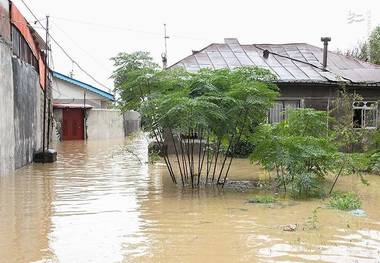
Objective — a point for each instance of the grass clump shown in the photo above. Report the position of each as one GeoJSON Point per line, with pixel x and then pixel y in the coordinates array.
{"type": "Point", "coordinates": [345, 201]}
{"type": "Point", "coordinates": [262, 199]}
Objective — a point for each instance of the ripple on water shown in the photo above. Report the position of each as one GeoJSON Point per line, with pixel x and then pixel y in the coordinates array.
{"type": "Point", "coordinates": [100, 203]}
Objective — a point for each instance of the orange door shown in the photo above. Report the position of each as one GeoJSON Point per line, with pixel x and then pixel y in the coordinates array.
{"type": "Point", "coordinates": [73, 124]}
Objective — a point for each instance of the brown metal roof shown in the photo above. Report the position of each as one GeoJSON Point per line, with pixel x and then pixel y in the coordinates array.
{"type": "Point", "coordinates": [294, 62]}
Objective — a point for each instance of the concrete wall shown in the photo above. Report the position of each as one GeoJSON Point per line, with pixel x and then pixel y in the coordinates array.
{"type": "Point", "coordinates": [104, 124]}
{"type": "Point", "coordinates": [132, 122]}
{"type": "Point", "coordinates": [28, 111]}
{"type": "Point", "coordinates": [4, 20]}
{"type": "Point", "coordinates": [7, 138]}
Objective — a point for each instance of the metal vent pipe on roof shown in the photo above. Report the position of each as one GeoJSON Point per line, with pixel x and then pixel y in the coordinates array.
{"type": "Point", "coordinates": [325, 41]}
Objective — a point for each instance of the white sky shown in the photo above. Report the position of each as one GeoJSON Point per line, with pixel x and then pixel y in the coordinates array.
{"type": "Point", "coordinates": [94, 31]}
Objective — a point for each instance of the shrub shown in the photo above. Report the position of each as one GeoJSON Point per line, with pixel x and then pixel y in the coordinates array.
{"type": "Point", "coordinates": [242, 149]}
{"type": "Point", "coordinates": [345, 201]}
{"type": "Point", "coordinates": [262, 199]}
{"type": "Point", "coordinates": [299, 150]}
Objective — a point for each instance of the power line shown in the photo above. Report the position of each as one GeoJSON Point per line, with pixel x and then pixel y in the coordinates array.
{"type": "Point", "coordinates": [79, 47]}
{"type": "Point", "coordinates": [157, 34]}
{"type": "Point", "coordinates": [64, 51]}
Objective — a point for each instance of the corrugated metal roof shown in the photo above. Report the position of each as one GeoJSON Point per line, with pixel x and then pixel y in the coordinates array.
{"type": "Point", "coordinates": [294, 62]}
{"type": "Point", "coordinates": [83, 85]}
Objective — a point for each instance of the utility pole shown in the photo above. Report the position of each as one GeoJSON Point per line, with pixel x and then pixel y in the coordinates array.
{"type": "Point", "coordinates": [46, 155]}
{"type": "Point", "coordinates": [44, 144]}
{"type": "Point", "coordinates": [164, 55]}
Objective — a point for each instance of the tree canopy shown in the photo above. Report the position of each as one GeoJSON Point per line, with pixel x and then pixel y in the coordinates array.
{"type": "Point", "coordinates": [217, 105]}
{"type": "Point", "coordinates": [368, 50]}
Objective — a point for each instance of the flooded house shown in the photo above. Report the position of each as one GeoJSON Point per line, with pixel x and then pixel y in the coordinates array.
{"type": "Point", "coordinates": [23, 77]}
{"type": "Point", "coordinates": [307, 76]}
{"type": "Point", "coordinates": [83, 111]}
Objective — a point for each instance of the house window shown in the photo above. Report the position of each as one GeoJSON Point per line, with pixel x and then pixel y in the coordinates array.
{"type": "Point", "coordinates": [279, 110]}
{"type": "Point", "coordinates": [365, 114]}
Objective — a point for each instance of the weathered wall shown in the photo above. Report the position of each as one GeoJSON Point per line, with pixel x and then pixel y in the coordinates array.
{"type": "Point", "coordinates": [57, 125]}
{"type": "Point", "coordinates": [4, 20]}
{"type": "Point", "coordinates": [104, 124]}
{"type": "Point", "coordinates": [7, 138]}
{"type": "Point", "coordinates": [27, 112]}
{"type": "Point", "coordinates": [132, 122]}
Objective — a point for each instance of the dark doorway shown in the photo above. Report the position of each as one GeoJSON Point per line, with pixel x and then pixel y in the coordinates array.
{"type": "Point", "coordinates": [73, 124]}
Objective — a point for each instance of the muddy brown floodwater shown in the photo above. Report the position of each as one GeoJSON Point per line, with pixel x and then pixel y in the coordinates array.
{"type": "Point", "coordinates": [98, 203]}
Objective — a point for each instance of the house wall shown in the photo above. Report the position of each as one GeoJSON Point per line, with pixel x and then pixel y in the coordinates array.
{"type": "Point", "coordinates": [28, 112]}
{"type": "Point", "coordinates": [105, 124]}
{"type": "Point", "coordinates": [320, 96]}
{"type": "Point", "coordinates": [64, 92]}
{"type": "Point", "coordinates": [4, 21]}
{"type": "Point", "coordinates": [102, 124]}
{"type": "Point", "coordinates": [7, 138]}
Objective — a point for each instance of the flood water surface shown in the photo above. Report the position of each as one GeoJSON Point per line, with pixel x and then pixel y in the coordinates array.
{"type": "Point", "coordinates": [100, 203]}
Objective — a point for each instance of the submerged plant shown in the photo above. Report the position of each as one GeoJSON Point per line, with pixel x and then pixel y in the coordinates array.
{"type": "Point", "coordinates": [197, 114]}
{"type": "Point", "coordinates": [345, 201]}
{"type": "Point", "coordinates": [299, 150]}
{"type": "Point", "coordinates": [262, 199]}
{"type": "Point", "coordinates": [312, 222]}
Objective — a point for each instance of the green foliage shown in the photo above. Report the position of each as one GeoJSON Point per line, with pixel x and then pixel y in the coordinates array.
{"type": "Point", "coordinates": [345, 201]}
{"type": "Point", "coordinates": [312, 222]}
{"type": "Point", "coordinates": [374, 43]}
{"type": "Point", "coordinates": [134, 78]}
{"type": "Point", "coordinates": [299, 150]}
{"type": "Point", "coordinates": [346, 137]}
{"type": "Point", "coordinates": [262, 199]}
{"type": "Point", "coordinates": [374, 162]}
{"type": "Point", "coordinates": [241, 149]}
{"type": "Point", "coordinates": [368, 50]}
{"type": "Point", "coordinates": [222, 105]}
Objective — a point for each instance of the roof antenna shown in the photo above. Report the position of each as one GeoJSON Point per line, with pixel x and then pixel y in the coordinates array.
{"type": "Point", "coordinates": [164, 55]}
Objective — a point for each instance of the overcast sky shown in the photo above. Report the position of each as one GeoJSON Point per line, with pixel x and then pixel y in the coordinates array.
{"type": "Point", "coordinates": [94, 31]}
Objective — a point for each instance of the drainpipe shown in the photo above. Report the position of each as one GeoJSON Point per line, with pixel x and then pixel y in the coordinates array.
{"type": "Point", "coordinates": [325, 41]}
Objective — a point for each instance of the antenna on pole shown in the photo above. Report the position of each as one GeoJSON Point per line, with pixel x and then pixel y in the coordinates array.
{"type": "Point", "coordinates": [164, 55]}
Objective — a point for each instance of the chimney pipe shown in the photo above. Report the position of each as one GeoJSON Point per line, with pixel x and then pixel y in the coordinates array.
{"type": "Point", "coordinates": [325, 41]}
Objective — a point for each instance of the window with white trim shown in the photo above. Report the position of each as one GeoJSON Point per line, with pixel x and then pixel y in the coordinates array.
{"type": "Point", "coordinates": [279, 110]}
{"type": "Point", "coordinates": [365, 114]}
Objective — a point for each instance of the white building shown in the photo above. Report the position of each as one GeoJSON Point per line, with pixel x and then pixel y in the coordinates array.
{"type": "Point", "coordinates": [82, 111]}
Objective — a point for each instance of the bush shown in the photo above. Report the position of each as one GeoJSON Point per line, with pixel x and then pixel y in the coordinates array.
{"type": "Point", "coordinates": [242, 149]}
{"type": "Point", "coordinates": [345, 201]}
{"type": "Point", "coordinates": [262, 199]}
{"type": "Point", "coordinates": [374, 163]}
{"type": "Point", "coordinates": [299, 150]}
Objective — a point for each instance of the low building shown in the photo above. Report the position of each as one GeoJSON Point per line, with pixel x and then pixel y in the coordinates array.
{"type": "Point", "coordinates": [307, 76]}
{"type": "Point", "coordinates": [82, 111]}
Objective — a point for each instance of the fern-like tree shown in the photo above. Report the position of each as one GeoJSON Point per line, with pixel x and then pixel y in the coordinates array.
{"type": "Point", "coordinates": [196, 112]}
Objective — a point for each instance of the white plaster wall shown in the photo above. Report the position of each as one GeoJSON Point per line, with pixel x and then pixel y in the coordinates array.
{"type": "Point", "coordinates": [7, 136]}
{"type": "Point", "coordinates": [64, 92]}
{"type": "Point", "coordinates": [105, 124]}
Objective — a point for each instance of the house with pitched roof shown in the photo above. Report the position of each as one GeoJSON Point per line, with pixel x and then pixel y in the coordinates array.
{"type": "Point", "coordinates": [307, 76]}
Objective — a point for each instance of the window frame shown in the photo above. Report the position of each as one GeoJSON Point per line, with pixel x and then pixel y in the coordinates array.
{"type": "Point", "coordinates": [364, 107]}
{"type": "Point", "coordinates": [284, 108]}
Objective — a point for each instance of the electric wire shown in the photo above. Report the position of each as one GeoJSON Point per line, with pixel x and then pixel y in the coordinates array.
{"type": "Point", "coordinates": [64, 51]}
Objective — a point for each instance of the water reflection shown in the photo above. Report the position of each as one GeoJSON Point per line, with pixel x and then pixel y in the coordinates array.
{"type": "Point", "coordinates": [99, 203]}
